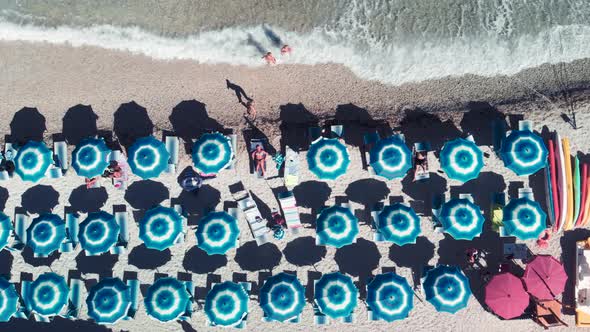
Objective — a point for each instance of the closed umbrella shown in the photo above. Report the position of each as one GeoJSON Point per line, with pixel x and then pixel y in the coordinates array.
{"type": "Point", "coordinates": [523, 152]}
{"type": "Point", "coordinates": [390, 158]}
{"type": "Point", "coordinates": [108, 301]}
{"type": "Point", "coordinates": [211, 153]}
{"type": "Point", "coordinates": [89, 158]}
{"type": "Point", "coordinates": [524, 219]}
{"type": "Point", "coordinates": [5, 230]}
{"type": "Point", "coordinates": [282, 297]}
{"type": "Point", "coordinates": [446, 288]}
{"type": "Point", "coordinates": [32, 161]}
{"type": "Point", "coordinates": [8, 300]}
{"type": "Point", "coordinates": [461, 219]}
{"type": "Point", "coordinates": [505, 295]}
{"type": "Point", "coordinates": [226, 304]}
{"type": "Point", "coordinates": [328, 158]}
{"type": "Point", "coordinates": [98, 232]}
{"type": "Point", "coordinates": [399, 224]}
{"type": "Point", "coordinates": [390, 297]}
{"type": "Point", "coordinates": [336, 295]}
{"type": "Point", "coordinates": [461, 159]}
{"type": "Point", "coordinates": [148, 157]}
{"type": "Point", "coordinates": [544, 277]}
{"type": "Point", "coordinates": [48, 294]}
{"type": "Point", "coordinates": [166, 299]}
{"type": "Point", "coordinates": [46, 233]}
{"type": "Point", "coordinates": [160, 227]}
{"type": "Point", "coordinates": [336, 226]}
{"type": "Point", "coordinates": [217, 233]}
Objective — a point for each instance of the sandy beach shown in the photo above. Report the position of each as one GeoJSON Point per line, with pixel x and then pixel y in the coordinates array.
{"type": "Point", "coordinates": [54, 79]}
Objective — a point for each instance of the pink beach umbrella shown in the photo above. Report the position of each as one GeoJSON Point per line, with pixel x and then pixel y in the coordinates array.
{"type": "Point", "coordinates": [544, 277]}
{"type": "Point", "coordinates": [505, 295]}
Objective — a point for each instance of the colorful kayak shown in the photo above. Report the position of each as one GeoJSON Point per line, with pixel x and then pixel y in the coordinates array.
{"type": "Point", "coordinates": [577, 190]}
{"type": "Point", "coordinates": [561, 182]}
{"type": "Point", "coordinates": [586, 220]}
{"type": "Point", "coordinates": [567, 158]}
{"type": "Point", "coordinates": [584, 181]}
{"type": "Point", "coordinates": [551, 186]}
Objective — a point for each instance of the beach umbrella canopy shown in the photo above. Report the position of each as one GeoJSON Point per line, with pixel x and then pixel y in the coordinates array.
{"type": "Point", "coordinates": [399, 224]}
{"type": "Point", "coordinates": [336, 226]}
{"type": "Point", "coordinates": [217, 233]}
{"type": "Point", "coordinates": [523, 152]}
{"type": "Point", "coordinates": [544, 277]}
{"type": "Point", "coordinates": [98, 232]}
{"type": "Point", "coordinates": [48, 294]}
{"type": "Point", "coordinates": [461, 219]}
{"type": "Point", "coordinates": [148, 157]}
{"type": "Point", "coordinates": [32, 161]}
{"type": "Point", "coordinates": [461, 159]}
{"type": "Point", "coordinates": [446, 288]}
{"type": "Point", "coordinates": [226, 304]}
{"type": "Point", "coordinates": [390, 158]}
{"type": "Point", "coordinates": [8, 300]}
{"type": "Point", "coordinates": [212, 152]}
{"type": "Point", "coordinates": [166, 299]}
{"type": "Point", "coordinates": [524, 219]}
{"type": "Point", "coordinates": [89, 158]}
{"type": "Point", "coordinates": [5, 230]}
{"type": "Point", "coordinates": [336, 295]}
{"type": "Point", "coordinates": [390, 297]}
{"type": "Point", "coordinates": [46, 233]}
{"type": "Point", "coordinates": [108, 301]}
{"type": "Point", "coordinates": [505, 295]}
{"type": "Point", "coordinates": [282, 297]}
{"type": "Point", "coordinates": [160, 227]}
{"type": "Point", "coordinates": [328, 158]}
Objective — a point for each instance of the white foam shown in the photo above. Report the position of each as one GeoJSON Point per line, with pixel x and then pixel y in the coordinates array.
{"type": "Point", "coordinates": [394, 64]}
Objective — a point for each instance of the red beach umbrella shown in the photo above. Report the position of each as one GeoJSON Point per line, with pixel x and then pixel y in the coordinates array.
{"type": "Point", "coordinates": [505, 295]}
{"type": "Point", "coordinates": [544, 277]}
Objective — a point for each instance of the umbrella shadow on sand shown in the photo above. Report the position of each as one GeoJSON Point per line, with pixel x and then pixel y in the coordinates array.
{"type": "Point", "coordinates": [148, 259]}
{"type": "Point", "coordinates": [424, 191]}
{"type": "Point", "coordinates": [88, 200]}
{"type": "Point", "coordinates": [312, 195]}
{"type": "Point", "coordinates": [146, 194]}
{"type": "Point", "coordinates": [359, 259]}
{"type": "Point", "coordinates": [132, 122]}
{"type": "Point", "coordinates": [356, 122]}
{"type": "Point", "coordinates": [27, 124]}
{"type": "Point", "coordinates": [29, 258]}
{"type": "Point", "coordinates": [478, 121]}
{"type": "Point", "coordinates": [414, 256]}
{"type": "Point", "coordinates": [78, 123]}
{"type": "Point", "coordinates": [190, 120]}
{"type": "Point", "coordinates": [6, 260]}
{"type": "Point", "coordinates": [367, 192]}
{"type": "Point", "coordinates": [295, 121]}
{"type": "Point", "coordinates": [198, 261]}
{"type": "Point", "coordinates": [253, 258]}
{"type": "Point", "coordinates": [3, 198]}
{"type": "Point", "coordinates": [303, 251]}
{"type": "Point", "coordinates": [417, 122]}
{"type": "Point", "coordinates": [57, 324]}
{"type": "Point", "coordinates": [568, 258]}
{"type": "Point", "coordinates": [102, 264]}
{"type": "Point", "coordinates": [196, 206]}
{"type": "Point", "coordinates": [40, 199]}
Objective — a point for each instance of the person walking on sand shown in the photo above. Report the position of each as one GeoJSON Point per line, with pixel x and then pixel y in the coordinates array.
{"type": "Point", "coordinates": [286, 50]}
{"type": "Point", "coordinates": [250, 110]}
{"type": "Point", "coordinates": [270, 59]}
{"type": "Point", "coordinates": [259, 156]}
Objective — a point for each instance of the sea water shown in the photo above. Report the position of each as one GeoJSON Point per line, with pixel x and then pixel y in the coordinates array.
{"type": "Point", "coordinates": [393, 41]}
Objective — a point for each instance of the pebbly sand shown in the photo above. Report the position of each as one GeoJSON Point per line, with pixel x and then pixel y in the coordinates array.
{"type": "Point", "coordinates": [55, 78]}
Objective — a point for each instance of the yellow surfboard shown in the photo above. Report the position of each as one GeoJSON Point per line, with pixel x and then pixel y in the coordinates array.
{"type": "Point", "coordinates": [569, 222]}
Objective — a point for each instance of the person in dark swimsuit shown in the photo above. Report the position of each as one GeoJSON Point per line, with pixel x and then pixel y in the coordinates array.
{"type": "Point", "coordinates": [259, 156]}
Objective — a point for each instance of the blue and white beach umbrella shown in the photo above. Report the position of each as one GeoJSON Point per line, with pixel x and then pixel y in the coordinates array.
{"type": "Point", "coordinates": [461, 219]}
{"type": "Point", "coordinates": [217, 233]}
{"type": "Point", "coordinates": [98, 232]}
{"type": "Point", "coordinates": [48, 294]}
{"type": "Point", "coordinates": [336, 226]}
{"type": "Point", "coordinates": [166, 299]}
{"type": "Point", "coordinates": [282, 297]}
{"type": "Point", "coordinates": [211, 153]}
{"type": "Point", "coordinates": [89, 158]}
{"type": "Point", "coordinates": [5, 230]}
{"type": "Point", "coordinates": [399, 224]}
{"type": "Point", "coordinates": [390, 158]}
{"type": "Point", "coordinates": [524, 219]}
{"type": "Point", "coordinates": [8, 300]}
{"type": "Point", "coordinates": [524, 152]}
{"type": "Point", "coordinates": [32, 161]}
{"type": "Point", "coordinates": [328, 158]}
{"type": "Point", "coordinates": [390, 297]}
{"type": "Point", "coordinates": [461, 159]}
{"type": "Point", "coordinates": [336, 295]}
{"type": "Point", "coordinates": [148, 157]}
{"type": "Point", "coordinates": [226, 304]}
{"type": "Point", "coordinates": [46, 233]}
{"type": "Point", "coordinates": [160, 227]}
{"type": "Point", "coordinates": [446, 288]}
{"type": "Point", "coordinates": [108, 301]}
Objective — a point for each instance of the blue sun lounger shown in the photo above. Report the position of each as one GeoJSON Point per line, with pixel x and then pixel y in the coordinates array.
{"type": "Point", "coordinates": [20, 231]}
{"type": "Point", "coordinates": [72, 228]}
{"type": "Point", "coordinates": [74, 299]}
{"type": "Point", "coordinates": [377, 235]}
{"type": "Point", "coordinates": [60, 153]}
{"type": "Point", "coordinates": [172, 144]}
{"type": "Point", "coordinates": [247, 288]}
{"type": "Point", "coordinates": [24, 309]}
{"type": "Point", "coordinates": [233, 140]}
{"type": "Point", "coordinates": [123, 222]}
{"type": "Point", "coordinates": [182, 236]}
{"type": "Point", "coordinates": [133, 289]}
{"type": "Point", "coordinates": [188, 312]}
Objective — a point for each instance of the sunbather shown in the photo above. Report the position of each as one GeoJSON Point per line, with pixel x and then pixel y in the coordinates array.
{"type": "Point", "coordinates": [420, 160]}
{"type": "Point", "coordinates": [259, 156]}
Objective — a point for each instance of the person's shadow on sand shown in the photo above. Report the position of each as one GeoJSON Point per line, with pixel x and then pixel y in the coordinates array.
{"type": "Point", "coordinates": [239, 91]}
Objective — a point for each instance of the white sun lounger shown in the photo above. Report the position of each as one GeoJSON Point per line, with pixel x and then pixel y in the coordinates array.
{"type": "Point", "coordinates": [182, 236]}
{"type": "Point", "coordinates": [377, 235]}
{"type": "Point", "coordinates": [24, 295]}
{"type": "Point", "coordinates": [369, 140]}
{"type": "Point", "coordinates": [291, 168]}
{"type": "Point", "coordinates": [233, 140]}
{"type": "Point", "coordinates": [60, 152]}
{"type": "Point", "coordinates": [172, 144]}
{"type": "Point", "coordinates": [290, 211]}
{"type": "Point", "coordinates": [20, 231]}
{"type": "Point", "coordinates": [188, 312]}
{"type": "Point", "coordinates": [133, 289]}
{"type": "Point", "coordinates": [122, 221]}
{"type": "Point", "coordinates": [525, 125]}
{"type": "Point", "coordinates": [526, 193]}
{"type": "Point", "coordinates": [72, 227]}
{"type": "Point", "coordinates": [234, 213]}
{"type": "Point", "coordinates": [74, 299]}
{"type": "Point", "coordinates": [260, 231]}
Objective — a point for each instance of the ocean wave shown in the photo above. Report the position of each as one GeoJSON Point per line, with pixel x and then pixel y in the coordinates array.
{"type": "Point", "coordinates": [369, 59]}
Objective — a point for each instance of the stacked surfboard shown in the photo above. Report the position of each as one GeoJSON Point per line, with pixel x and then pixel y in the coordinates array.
{"type": "Point", "coordinates": [568, 186]}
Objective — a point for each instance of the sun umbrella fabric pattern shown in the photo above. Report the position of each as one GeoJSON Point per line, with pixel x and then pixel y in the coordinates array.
{"type": "Point", "coordinates": [89, 158]}
{"type": "Point", "coordinates": [226, 304]}
{"type": "Point", "coordinates": [446, 288]}
{"type": "Point", "coordinates": [108, 301]}
{"type": "Point", "coordinates": [336, 295]}
{"type": "Point", "coordinates": [5, 230]}
{"type": "Point", "coordinates": [461, 159]}
{"type": "Point", "coordinates": [217, 233]}
{"type": "Point", "coordinates": [390, 158]}
{"type": "Point", "coordinates": [523, 152]}
{"type": "Point", "coordinates": [46, 233]}
{"type": "Point", "coordinates": [160, 227]}
{"type": "Point", "coordinates": [8, 300]}
{"type": "Point", "coordinates": [505, 295]}
{"type": "Point", "coordinates": [399, 224]}
{"type": "Point", "coordinates": [166, 299]}
{"type": "Point", "coordinates": [212, 152]}
{"type": "Point", "coordinates": [282, 297]}
{"type": "Point", "coordinates": [544, 277]}
{"type": "Point", "coordinates": [524, 219]}
{"type": "Point", "coordinates": [328, 158]}
{"type": "Point", "coordinates": [336, 226]}
{"type": "Point", "coordinates": [98, 232]}
{"type": "Point", "coordinates": [32, 161]}
{"type": "Point", "coordinates": [48, 294]}
{"type": "Point", "coordinates": [148, 157]}
{"type": "Point", "coordinates": [461, 219]}
{"type": "Point", "coordinates": [390, 297]}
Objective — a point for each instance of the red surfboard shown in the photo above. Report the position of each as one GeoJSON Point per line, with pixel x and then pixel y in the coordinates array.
{"type": "Point", "coordinates": [554, 188]}
{"type": "Point", "coordinates": [584, 195]}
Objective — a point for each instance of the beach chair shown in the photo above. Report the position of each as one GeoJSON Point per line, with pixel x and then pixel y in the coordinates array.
{"type": "Point", "coordinates": [248, 288]}
{"type": "Point", "coordinates": [526, 193]}
{"type": "Point", "coordinates": [437, 203]}
{"type": "Point", "coordinates": [319, 318]}
{"type": "Point", "coordinates": [377, 235]}
{"type": "Point", "coordinates": [71, 239]}
{"type": "Point", "coordinates": [74, 299]}
{"type": "Point", "coordinates": [133, 289]}
{"type": "Point", "coordinates": [547, 313]}
{"type": "Point", "coordinates": [21, 221]}
{"type": "Point", "coordinates": [182, 236]}
{"type": "Point", "coordinates": [60, 155]}
{"type": "Point", "coordinates": [257, 224]}
{"type": "Point", "coordinates": [9, 155]}
{"type": "Point", "coordinates": [468, 197]}
{"type": "Point", "coordinates": [421, 173]}
{"type": "Point", "coordinates": [369, 140]}
{"type": "Point", "coordinates": [254, 142]}
{"type": "Point", "coordinates": [525, 125]}
{"type": "Point", "coordinates": [188, 312]}
{"type": "Point", "coordinates": [314, 133]}
{"type": "Point", "coordinates": [290, 211]}
{"type": "Point", "coordinates": [291, 168]}
{"type": "Point", "coordinates": [497, 210]}
{"type": "Point", "coordinates": [233, 140]}
{"type": "Point", "coordinates": [234, 213]}
{"type": "Point", "coordinates": [25, 307]}
{"type": "Point", "coordinates": [498, 133]}
{"type": "Point", "coordinates": [122, 220]}
{"type": "Point", "coordinates": [336, 131]}
{"type": "Point", "coordinates": [172, 144]}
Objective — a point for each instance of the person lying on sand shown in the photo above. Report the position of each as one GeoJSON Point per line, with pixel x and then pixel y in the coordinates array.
{"type": "Point", "coordinates": [259, 156]}
{"type": "Point", "coordinates": [270, 59]}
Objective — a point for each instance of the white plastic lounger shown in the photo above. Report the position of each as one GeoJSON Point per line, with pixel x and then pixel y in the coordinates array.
{"type": "Point", "coordinates": [182, 236]}
{"type": "Point", "coordinates": [233, 140]}
{"type": "Point", "coordinates": [337, 131]}
{"type": "Point", "coordinates": [20, 231]}
{"type": "Point", "coordinates": [74, 299]}
{"type": "Point", "coordinates": [291, 168]}
{"type": "Point", "coordinates": [72, 226]}
{"type": "Point", "coordinates": [234, 213]}
{"type": "Point", "coordinates": [526, 193]}
{"type": "Point", "coordinates": [318, 317]}
{"type": "Point", "coordinates": [60, 152]}
{"type": "Point", "coordinates": [188, 312]}
{"type": "Point", "coordinates": [369, 140]}
{"type": "Point", "coordinates": [290, 211]}
{"type": "Point", "coordinates": [525, 125]}
{"type": "Point", "coordinates": [172, 144]}
{"type": "Point", "coordinates": [248, 288]}
{"type": "Point", "coordinates": [377, 235]}
{"type": "Point", "coordinates": [468, 197]}
{"type": "Point", "coordinates": [260, 231]}
{"type": "Point", "coordinates": [133, 289]}
{"type": "Point", "coordinates": [121, 245]}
